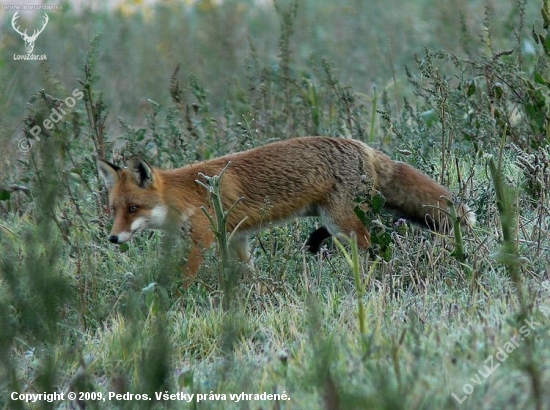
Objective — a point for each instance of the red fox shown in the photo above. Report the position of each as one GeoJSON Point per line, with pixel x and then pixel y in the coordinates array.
{"type": "Point", "coordinates": [308, 176]}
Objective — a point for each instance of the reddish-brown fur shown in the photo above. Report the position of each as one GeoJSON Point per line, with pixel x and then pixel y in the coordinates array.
{"type": "Point", "coordinates": [309, 176]}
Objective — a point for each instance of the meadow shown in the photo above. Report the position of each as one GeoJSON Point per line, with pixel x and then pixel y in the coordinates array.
{"type": "Point", "coordinates": [422, 320]}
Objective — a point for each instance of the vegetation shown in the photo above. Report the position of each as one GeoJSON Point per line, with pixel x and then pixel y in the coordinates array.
{"type": "Point", "coordinates": [422, 320]}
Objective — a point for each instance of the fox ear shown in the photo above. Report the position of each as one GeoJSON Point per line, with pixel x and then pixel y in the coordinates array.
{"type": "Point", "coordinates": [142, 172]}
{"type": "Point", "coordinates": [108, 172]}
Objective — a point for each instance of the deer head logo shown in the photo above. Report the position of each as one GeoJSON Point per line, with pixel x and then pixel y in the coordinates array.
{"type": "Point", "coordinates": [29, 40]}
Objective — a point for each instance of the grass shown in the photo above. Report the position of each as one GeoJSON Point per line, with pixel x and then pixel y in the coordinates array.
{"type": "Point", "coordinates": [418, 322]}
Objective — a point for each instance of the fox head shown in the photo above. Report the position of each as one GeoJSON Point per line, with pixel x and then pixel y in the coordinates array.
{"type": "Point", "coordinates": [135, 200]}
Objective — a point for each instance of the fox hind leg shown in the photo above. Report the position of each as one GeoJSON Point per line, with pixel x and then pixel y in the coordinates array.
{"type": "Point", "coordinates": [344, 223]}
{"type": "Point", "coordinates": [313, 243]}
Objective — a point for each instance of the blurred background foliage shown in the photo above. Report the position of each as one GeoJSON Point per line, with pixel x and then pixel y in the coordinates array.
{"type": "Point", "coordinates": [371, 41]}
{"type": "Point", "coordinates": [446, 86]}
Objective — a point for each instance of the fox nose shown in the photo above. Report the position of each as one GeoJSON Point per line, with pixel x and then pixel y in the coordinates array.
{"type": "Point", "coordinates": [113, 239]}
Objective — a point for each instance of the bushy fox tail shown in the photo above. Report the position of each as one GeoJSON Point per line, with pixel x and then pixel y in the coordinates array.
{"type": "Point", "coordinates": [416, 196]}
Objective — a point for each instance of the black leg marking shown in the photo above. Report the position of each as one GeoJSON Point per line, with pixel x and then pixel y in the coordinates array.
{"type": "Point", "coordinates": [314, 241]}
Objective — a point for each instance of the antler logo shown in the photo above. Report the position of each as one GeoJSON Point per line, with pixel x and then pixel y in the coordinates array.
{"type": "Point", "coordinates": [29, 40]}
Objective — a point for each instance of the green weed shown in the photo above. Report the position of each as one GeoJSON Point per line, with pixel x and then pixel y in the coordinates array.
{"type": "Point", "coordinates": [405, 325]}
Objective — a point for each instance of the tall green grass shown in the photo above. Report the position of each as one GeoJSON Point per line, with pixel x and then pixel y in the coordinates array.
{"type": "Point", "coordinates": [406, 325]}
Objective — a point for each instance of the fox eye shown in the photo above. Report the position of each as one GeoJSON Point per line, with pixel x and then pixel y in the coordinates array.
{"type": "Point", "coordinates": [132, 209]}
